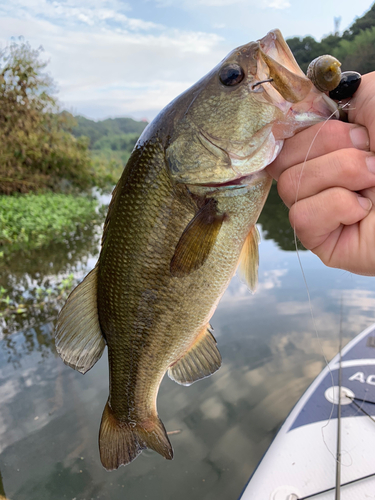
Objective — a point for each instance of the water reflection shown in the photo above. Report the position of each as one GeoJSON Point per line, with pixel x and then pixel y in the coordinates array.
{"type": "Point", "coordinates": [33, 287]}
{"type": "Point", "coordinates": [50, 415]}
{"type": "Point", "coordinates": [275, 222]}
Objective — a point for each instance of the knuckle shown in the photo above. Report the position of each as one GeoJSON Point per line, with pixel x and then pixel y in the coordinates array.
{"type": "Point", "coordinates": [347, 162]}
{"type": "Point", "coordinates": [339, 197]}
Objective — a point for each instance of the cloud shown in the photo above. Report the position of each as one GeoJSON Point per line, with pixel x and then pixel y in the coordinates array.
{"type": "Point", "coordinates": [218, 3]}
{"type": "Point", "coordinates": [73, 14]}
{"type": "Point", "coordinates": [276, 4]}
{"type": "Point", "coordinates": [105, 61]}
{"type": "Point", "coordinates": [193, 4]}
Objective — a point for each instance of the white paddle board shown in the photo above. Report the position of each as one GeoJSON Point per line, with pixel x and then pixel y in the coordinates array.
{"type": "Point", "coordinates": [300, 463]}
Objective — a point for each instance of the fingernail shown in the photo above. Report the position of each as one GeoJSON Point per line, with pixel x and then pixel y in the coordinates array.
{"type": "Point", "coordinates": [370, 160]}
{"type": "Point", "coordinates": [360, 138]}
{"type": "Point", "coordinates": [365, 203]}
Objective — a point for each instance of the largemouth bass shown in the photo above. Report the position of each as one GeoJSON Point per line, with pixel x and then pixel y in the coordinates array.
{"type": "Point", "coordinates": [181, 219]}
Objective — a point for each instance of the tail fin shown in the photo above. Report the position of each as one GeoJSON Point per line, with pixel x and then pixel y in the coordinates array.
{"type": "Point", "coordinates": [121, 442]}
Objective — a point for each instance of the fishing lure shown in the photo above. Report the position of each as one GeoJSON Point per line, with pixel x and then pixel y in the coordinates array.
{"type": "Point", "coordinates": [325, 73]}
{"type": "Point", "coordinates": [348, 86]}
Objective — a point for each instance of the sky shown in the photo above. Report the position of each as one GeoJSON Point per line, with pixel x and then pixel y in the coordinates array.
{"type": "Point", "coordinates": [112, 58]}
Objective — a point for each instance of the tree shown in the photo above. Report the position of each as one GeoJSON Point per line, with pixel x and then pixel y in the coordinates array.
{"type": "Point", "coordinates": [355, 49]}
{"type": "Point", "coordinates": [357, 54]}
{"type": "Point", "coordinates": [36, 148]}
{"type": "Point", "coordinates": [304, 49]}
{"type": "Point", "coordinates": [363, 23]}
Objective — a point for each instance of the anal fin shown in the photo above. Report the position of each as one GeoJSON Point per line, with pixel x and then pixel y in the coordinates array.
{"type": "Point", "coordinates": [78, 337]}
{"type": "Point", "coordinates": [249, 259]}
{"type": "Point", "coordinates": [200, 361]}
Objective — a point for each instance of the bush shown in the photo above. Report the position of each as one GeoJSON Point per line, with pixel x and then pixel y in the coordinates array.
{"type": "Point", "coordinates": [36, 149]}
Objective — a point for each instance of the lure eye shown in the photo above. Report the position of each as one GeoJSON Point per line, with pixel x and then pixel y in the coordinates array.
{"type": "Point", "coordinates": [349, 83]}
{"type": "Point", "coordinates": [231, 74]}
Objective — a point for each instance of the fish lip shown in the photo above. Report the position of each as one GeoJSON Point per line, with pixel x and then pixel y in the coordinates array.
{"type": "Point", "coordinates": [238, 182]}
{"type": "Point", "coordinates": [322, 107]}
{"type": "Point", "coordinates": [274, 41]}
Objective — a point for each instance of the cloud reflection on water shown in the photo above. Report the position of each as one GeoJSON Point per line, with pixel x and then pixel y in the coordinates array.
{"type": "Point", "coordinates": [270, 355]}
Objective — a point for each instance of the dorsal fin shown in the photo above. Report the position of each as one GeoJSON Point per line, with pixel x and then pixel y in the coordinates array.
{"type": "Point", "coordinates": [197, 240]}
{"type": "Point", "coordinates": [200, 361]}
{"type": "Point", "coordinates": [78, 337]}
{"type": "Point", "coordinates": [249, 259]}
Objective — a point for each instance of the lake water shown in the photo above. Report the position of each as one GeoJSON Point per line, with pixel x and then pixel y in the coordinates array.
{"type": "Point", "coordinates": [221, 426]}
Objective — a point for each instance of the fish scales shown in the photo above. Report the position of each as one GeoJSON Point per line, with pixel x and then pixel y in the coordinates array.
{"type": "Point", "coordinates": [181, 219]}
{"type": "Point", "coordinates": [139, 300]}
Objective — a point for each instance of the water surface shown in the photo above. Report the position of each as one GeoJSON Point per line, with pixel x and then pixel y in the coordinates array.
{"type": "Point", "coordinates": [221, 426]}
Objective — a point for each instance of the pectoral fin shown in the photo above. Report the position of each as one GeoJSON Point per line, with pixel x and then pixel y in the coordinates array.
{"type": "Point", "coordinates": [196, 241]}
{"type": "Point", "coordinates": [249, 259]}
{"type": "Point", "coordinates": [201, 360]}
{"type": "Point", "coordinates": [78, 337]}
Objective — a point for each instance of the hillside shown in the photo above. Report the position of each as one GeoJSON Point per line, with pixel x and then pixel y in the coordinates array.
{"type": "Point", "coordinates": [97, 130]}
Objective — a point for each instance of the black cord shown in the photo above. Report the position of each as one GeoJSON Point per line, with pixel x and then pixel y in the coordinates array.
{"type": "Point", "coordinates": [361, 409]}
{"type": "Point", "coordinates": [333, 488]}
{"type": "Point", "coordinates": [362, 400]}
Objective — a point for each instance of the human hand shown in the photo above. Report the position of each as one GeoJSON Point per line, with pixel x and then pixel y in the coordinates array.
{"type": "Point", "coordinates": [332, 204]}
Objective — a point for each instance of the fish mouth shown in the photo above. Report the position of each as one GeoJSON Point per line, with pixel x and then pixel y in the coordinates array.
{"type": "Point", "coordinates": [239, 182]}
{"type": "Point", "coordinates": [288, 88]}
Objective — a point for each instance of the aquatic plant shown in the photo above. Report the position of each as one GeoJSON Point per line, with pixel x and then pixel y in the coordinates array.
{"type": "Point", "coordinates": [32, 220]}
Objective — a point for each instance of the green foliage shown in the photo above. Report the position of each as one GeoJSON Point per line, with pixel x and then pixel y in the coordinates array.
{"type": "Point", "coordinates": [36, 149]}
{"type": "Point", "coordinates": [363, 23]}
{"type": "Point", "coordinates": [111, 142]}
{"type": "Point", "coordinates": [304, 49]}
{"type": "Point", "coordinates": [95, 131]}
{"type": "Point", "coordinates": [32, 220]}
{"type": "Point", "coordinates": [116, 142]}
{"type": "Point", "coordinates": [355, 49]}
{"type": "Point", "coordinates": [108, 166]}
{"type": "Point", "coordinates": [358, 54]}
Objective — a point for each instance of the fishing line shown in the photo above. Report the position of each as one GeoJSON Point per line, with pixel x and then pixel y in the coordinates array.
{"type": "Point", "coordinates": [305, 280]}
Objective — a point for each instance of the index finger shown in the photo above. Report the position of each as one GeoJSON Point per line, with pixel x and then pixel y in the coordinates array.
{"type": "Point", "coordinates": [318, 140]}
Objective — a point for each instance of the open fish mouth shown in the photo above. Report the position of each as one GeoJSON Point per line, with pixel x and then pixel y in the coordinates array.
{"type": "Point", "coordinates": [281, 82]}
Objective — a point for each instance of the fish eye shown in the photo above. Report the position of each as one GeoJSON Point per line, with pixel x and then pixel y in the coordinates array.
{"type": "Point", "coordinates": [231, 74]}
